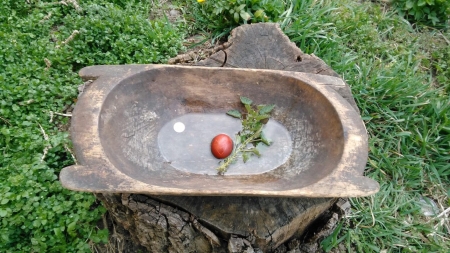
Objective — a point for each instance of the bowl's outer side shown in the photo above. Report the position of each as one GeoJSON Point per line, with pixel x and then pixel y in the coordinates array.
{"type": "Point", "coordinates": [116, 120]}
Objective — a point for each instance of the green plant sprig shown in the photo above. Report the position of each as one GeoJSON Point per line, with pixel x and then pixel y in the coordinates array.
{"type": "Point", "coordinates": [253, 122]}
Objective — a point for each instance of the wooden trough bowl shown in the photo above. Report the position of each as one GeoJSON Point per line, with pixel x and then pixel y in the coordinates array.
{"type": "Point", "coordinates": [125, 139]}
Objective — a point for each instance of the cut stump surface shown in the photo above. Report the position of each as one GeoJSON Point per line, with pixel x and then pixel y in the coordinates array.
{"type": "Point", "coordinates": [229, 224]}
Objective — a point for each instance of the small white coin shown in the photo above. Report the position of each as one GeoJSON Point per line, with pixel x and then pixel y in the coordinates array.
{"type": "Point", "coordinates": [178, 127]}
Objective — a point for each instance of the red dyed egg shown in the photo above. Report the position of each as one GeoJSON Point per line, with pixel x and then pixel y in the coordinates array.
{"type": "Point", "coordinates": [221, 146]}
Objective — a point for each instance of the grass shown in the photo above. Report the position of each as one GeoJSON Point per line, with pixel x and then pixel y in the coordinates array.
{"type": "Point", "coordinates": [406, 108]}
{"type": "Point", "coordinates": [43, 44]}
{"type": "Point", "coordinates": [398, 73]}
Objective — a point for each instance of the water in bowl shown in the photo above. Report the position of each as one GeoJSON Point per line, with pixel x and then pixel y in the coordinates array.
{"type": "Point", "coordinates": [185, 141]}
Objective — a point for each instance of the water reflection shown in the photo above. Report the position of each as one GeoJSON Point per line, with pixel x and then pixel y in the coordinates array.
{"type": "Point", "coordinates": [185, 143]}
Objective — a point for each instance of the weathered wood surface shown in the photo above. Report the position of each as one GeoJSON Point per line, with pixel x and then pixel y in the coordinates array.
{"type": "Point", "coordinates": [228, 224]}
{"type": "Point", "coordinates": [265, 46]}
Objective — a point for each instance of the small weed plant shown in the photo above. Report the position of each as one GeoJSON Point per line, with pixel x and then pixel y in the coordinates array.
{"type": "Point", "coordinates": [221, 16]}
{"type": "Point", "coordinates": [399, 79]}
{"type": "Point", "coordinates": [430, 12]}
{"type": "Point", "coordinates": [42, 46]}
{"type": "Point", "coordinates": [251, 134]}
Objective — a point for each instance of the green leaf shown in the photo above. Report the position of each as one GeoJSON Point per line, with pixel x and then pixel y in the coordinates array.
{"type": "Point", "coordinates": [241, 7]}
{"type": "Point", "coordinates": [236, 17]}
{"type": "Point", "coordinates": [249, 109]}
{"type": "Point", "coordinates": [243, 138]}
{"type": "Point", "coordinates": [246, 101]}
{"type": "Point", "coordinates": [34, 241]}
{"type": "Point", "coordinates": [237, 140]}
{"type": "Point", "coordinates": [251, 134]}
{"type": "Point", "coordinates": [234, 113]}
{"type": "Point", "coordinates": [100, 236]}
{"type": "Point", "coordinates": [57, 232]}
{"type": "Point", "coordinates": [71, 228]}
{"type": "Point", "coordinates": [36, 223]}
{"type": "Point", "coordinates": [261, 117]}
{"type": "Point", "coordinates": [409, 4]}
{"type": "Point", "coordinates": [256, 152]}
{"type": "Point", "coordinates": [265, 140]}
{"type": "Point", "coordinates": [259, 13]}
{"type": "Point", "coordinates": [3, 212]}
{"type": "Point", "coordinates": [245, 15]}
{"type": "Point", "coordinates": [245, 157]}
{"type": "Point", "coordinates": [255, 127]}
{"type": "Point", "coordinates": [266, 109]}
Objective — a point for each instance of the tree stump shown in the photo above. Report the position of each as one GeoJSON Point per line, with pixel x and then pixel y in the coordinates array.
{"type": "Point", "coordinates": [223, 223]}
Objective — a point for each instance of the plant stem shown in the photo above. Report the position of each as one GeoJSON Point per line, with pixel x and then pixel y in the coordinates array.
{"type": "Point", "coordinates": [241, 147]}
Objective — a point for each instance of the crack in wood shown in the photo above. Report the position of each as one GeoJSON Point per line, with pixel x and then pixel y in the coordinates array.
{"type": "Point", "coordinates": [219, 217]}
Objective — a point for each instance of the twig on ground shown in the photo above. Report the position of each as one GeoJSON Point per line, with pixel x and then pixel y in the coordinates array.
{"type": "Point", "coordinates": [116, 241]}
{"type": "Point", "coordinates": [58, 113]}
{"type": "Point", "coordinates": [48, 63]}
{"type": "Point", "coordinates": [75, 5]}
{"type": "Point", "coordinates": [5, 120]}
{"type": "Point", "coordinates": [55, 3]}
{"type": "Point", "coordinates": [105, 223]}
{"type": "Point", "coordinates": [46, 17]}
{"type": "Point", "coordinates": [444, 219]}
{"type": "Point", "coordinates": [444, 212]}
{"type": "Point", "coordinates": [29, 101]}
{"type": "Point", "coordinates": [71, 153]}
{"type": "Point", "coordinates": [63, 114]}
{"type": "Point", "coordinates": [92, 246]}
{"type": "Point", "coordinates": [445, 38]}
{"type": "Point", "coordinates": [45, 138]}
{"type": "Point", "coordinates": [69, 39]}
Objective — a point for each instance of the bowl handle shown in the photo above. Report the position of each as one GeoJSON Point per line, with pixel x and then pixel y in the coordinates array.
{"type": "Point", "coordinates": [85, 178]}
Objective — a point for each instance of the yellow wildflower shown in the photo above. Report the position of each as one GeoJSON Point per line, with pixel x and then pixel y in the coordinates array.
{"type": "Point", "coordinates": [201, 1]}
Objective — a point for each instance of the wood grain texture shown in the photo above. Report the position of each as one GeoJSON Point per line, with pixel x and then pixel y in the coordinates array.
{"type": "Point", "coordinates": [265, 46]}
{"type": "Point", "coordinates": [228, 224]}
{"type": "Point", "coordinates": [265, 222]}
{"type": "Point", "coordinates": [119, 128]}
